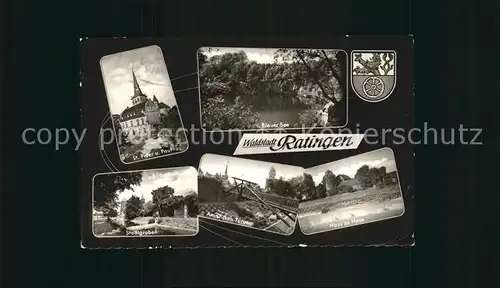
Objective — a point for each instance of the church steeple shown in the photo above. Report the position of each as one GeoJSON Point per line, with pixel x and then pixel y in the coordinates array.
{"type": "Point", "coordinates": [225, 171]}
{"type": "Point", "coordinates": [137, 88]}
{"type": "Point", "coordinates": [138, 96]}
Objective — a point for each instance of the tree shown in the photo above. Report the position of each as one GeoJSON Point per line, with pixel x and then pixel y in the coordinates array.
{"type": "Point", "coordinates": [331, 64]}
{"type": "Point", "coordinates": [375, 176]}
{"type": "Point", "coordinates": [271, 181]}
{"type": "Point", "coordinates": [149, 209]}
{"type": "Point", "coordinates": [307, 189]}
{"type": "Point", "coordinates": [321, 191]}
{"type": "Point", "coordinates": [280, 187]}
{"type": "Point", "coordinates": [192, 203]}
{"type": "Point", "coordinates": [363, 176]}
{"type": "Point", "coordinates": [171, 204]}
{"type": "Point", "coordinates": [107, 187]}
{"type": "Point", "coordinates": [368, 177]}
{"type": "Point", "coordinates": [272, 173]}
{"type": "Point", "coordinates": [161, 196]}
{"type": "Point", "coordinates": [296, 186]}
{"type": "Point", "coordinates": [111, 213]}
{"type": "Point", "coordinates": [210, 189]}
{"type": "Point", "coordinates": [133, 208]}
{"type": "Point", "coordinates": [328, 181]}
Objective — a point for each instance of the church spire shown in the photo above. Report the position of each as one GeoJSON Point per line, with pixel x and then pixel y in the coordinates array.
{"type": "Point", "coordinates": [137, 89]}
{"type": "Point", "coordinates": [225, 171]}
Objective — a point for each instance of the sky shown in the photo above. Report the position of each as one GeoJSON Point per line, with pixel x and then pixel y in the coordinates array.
{"type": "Point", "coordinates": [250, 170]}
{"type": "Point", "coordinates": [183, 180]}
{"type": "Point", "coordinates": [349, 166]}
{"type": "Point", "coordinates": [151, 72]}
{"type": "Point", "coordinates": [259, 55]}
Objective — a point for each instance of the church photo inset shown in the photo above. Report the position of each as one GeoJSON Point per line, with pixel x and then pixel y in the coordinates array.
{"type": "Point", "coordinates": [249, 193]}
{"type": "Point", "coordinates": [142, 104]}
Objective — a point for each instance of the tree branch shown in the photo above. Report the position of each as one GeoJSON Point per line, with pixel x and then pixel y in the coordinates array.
{"type": "Point", "coordinates": [311, 72]}
{"type": "Point", "coordinates": [332, 67]}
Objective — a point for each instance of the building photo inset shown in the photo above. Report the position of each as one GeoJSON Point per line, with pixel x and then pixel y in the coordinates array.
{"type": "Point", "coordinates": [357, 190]}
{"type": "Point", "coordinates": [142, 104]}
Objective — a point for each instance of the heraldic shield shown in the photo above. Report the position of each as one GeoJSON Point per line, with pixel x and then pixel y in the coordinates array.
{"type": "Point", "coordinates": [373, 74]}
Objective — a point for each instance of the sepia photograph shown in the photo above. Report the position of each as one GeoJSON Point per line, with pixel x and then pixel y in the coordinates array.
{"type": "Point", "coordinates": [160, 202]}
{"type": "Point", "coordinates": [250, 193]}
{"type": "Point", "coordinates": [357, 190]}
{"type": "Point", "coordinates": [142, 105]}
{"type": "Point", "coordinates": [270, 89]}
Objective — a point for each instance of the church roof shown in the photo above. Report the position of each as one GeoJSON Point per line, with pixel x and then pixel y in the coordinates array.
{"type": "Point", "coordinates": [133, 112]}
{"type": "Point", "coordinates": [137, 111]}
{"type": "Point", "coordinates": [137, 88]}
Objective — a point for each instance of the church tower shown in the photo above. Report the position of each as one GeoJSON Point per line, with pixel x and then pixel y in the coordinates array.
{"type": "Point", "coordinates": [138, 96]}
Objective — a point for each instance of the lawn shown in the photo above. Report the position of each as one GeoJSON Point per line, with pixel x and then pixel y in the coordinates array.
{"type": "Point", "coordinates": [190, 223]}
{"type": "Point", "coordinates": [102, 226]}
{"type": "Point", "coordinates": [348, 199]}
{"type": "Point", "coordinates": [246, 213]}
{"type": "Point", "coordinates": [166, 226]}
{"type": "Point", "coordinates": [350, 209]}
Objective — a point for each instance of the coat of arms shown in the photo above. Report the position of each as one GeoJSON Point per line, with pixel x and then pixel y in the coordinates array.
{"type": "Point", "coordinates": [373, 74]}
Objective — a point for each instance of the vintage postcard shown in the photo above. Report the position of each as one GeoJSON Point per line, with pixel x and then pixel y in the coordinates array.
{"type": "Point", "coordinates": [353, 191]}
{"type": "Point", "coordinates": [250, 193]}
{"type": "Point", "coordinates": [272, 89]}
{"type": "Point", "coordinates": [142, 104]}
{"type": "Point", "coordinates": [160, 202]}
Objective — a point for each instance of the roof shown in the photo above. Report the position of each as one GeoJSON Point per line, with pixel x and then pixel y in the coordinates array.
{"type": "Point", "coordinates": [392, 174]}
{"type": "Point", "coordinates": [133, 112]}
{"type": "Point", "coordinates": [137, 110]}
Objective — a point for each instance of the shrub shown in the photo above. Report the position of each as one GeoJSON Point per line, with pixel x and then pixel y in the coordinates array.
{"type": "Point", "coordinates": [325, 210]}
{"type": "Point", "coordinates": [151, 221]}
{"type": "Point", "coordinates": [310, 118]}
{"type": "Point", "coordinates": [260, 223]}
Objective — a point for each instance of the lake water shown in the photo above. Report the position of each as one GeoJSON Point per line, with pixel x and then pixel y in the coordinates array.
{"type": "Point", "coordinates": [288, 116]}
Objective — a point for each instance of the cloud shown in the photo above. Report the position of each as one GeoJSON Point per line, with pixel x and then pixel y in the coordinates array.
{"type": "Point", "coordinates": [259, 55]}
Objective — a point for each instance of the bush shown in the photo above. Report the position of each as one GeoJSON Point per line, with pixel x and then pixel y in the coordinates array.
{"type": "Point", "coordinates": [151, 221]}
{"type": "Point", "coordinates": [260, 223]}
{"type": "Point", "coordinates": [309, 118]}
{"type": "Point", "coordinates": [325, 210]}
{"type": "Point", "coordinates": [241, 211]}
{"type": "Point", "coordinates": [346, 189]}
